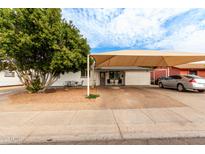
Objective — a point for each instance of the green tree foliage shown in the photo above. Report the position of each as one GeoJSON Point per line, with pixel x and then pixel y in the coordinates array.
{"type": "Point", "coordinates": [39, 45]}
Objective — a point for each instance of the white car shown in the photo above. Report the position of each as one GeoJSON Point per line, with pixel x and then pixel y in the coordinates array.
{"type": "Point", "coordinates": [183, 82]}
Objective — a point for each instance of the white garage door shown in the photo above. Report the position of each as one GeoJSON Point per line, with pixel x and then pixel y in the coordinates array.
{"type": "Point", "coordinates": [137, 78]}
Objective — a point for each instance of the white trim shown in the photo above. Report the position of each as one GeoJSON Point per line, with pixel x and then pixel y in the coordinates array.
{"type": "Point", "coordinates": [88, 75]}
{"type": "Point", "coordinates": [168, 71]}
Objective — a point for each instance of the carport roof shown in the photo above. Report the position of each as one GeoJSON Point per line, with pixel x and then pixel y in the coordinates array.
{"type": "Point", "coordinates": [130, 68]}
{"type": "Point", "coordinates": [149, 58]}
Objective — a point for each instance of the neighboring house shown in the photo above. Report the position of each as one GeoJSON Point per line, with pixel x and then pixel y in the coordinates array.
{"type": "Point", "coordinates": [9, 78]}
{"type": "Point", "coordinates": [194, 68]}
{"type": "Point", "coordinates": [104, 76]}
{"type": "Point", "coordinates": [191, 68]}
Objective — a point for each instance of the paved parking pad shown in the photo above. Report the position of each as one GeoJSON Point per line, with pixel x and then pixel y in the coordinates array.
{"type": "Point", "coordinates": [16, 118]}
{"type": "Point", "coordinates": [121, 115]}
{"type": "Point", "coordinates": [190, 114]}
{"type": "Point", "coordinates": [164, 115]}
{"type": "Point", "coordinates": [98, 125]}
{"type": "Point", "coordinates": [93, 117]}
{"type": "Point", "coordinates": [74, 133]}
{"type": "Point", "coordinates": [161, 130]}
{"type": "Point", "coordinates": [131, 116]}
{"type": "Point", "coordinates": [52, 118]}
{"type": "Point", "coordinates": [14, 134]}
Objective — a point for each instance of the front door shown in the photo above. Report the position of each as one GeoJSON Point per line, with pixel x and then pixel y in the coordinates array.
{"type": "Point", "coordinates": [102, 78]}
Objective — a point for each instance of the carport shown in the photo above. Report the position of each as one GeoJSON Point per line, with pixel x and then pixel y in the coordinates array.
{"type": "Point", "coordinates": [144, 58]}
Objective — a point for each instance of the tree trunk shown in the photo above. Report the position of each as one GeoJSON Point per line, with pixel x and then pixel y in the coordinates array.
{"type": "Point", "coordinates": [36, 81]}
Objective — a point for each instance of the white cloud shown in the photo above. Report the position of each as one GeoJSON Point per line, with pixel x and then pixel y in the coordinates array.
{"type": "Point", "coordinates": [193, 41]}
{"type": "Point", "coordinates": [189, 36]}
{"type": "Point", "coordinates": [177, 29]}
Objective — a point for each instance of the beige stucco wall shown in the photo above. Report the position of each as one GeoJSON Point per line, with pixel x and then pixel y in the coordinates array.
{"type": "Point", "coordinates": [77, 77]}
{"type": "Point", "coordinates": [10, 81]}
{"type": "Point", "coordinates": [137, 78]}
{"type": "Point", "coordinates": [131, 78]}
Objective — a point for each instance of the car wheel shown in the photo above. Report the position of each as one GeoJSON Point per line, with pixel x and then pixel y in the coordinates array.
{"type": "Point", "coordinates": [161, 85]}
{"type": "Point", "coordinates": [201, 91]}
{"type": "Point", "coordinates": [180, 87]}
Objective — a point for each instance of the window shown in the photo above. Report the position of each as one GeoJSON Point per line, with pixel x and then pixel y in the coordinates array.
{"type": "Point", "coordinates": [169, 78]}
{"type": "Point", "coordinates": [9, 74]}
{"type": "Point", "coordinates": [111, 75]}
{"type": "Point", "coordinates": [84, 73]}
{"type": "Point", "coordinates": [193, 72]}
{"type": "Point", "coordinates": [114, 75]}
{"type": "Point", "coordinates": [176, 77]}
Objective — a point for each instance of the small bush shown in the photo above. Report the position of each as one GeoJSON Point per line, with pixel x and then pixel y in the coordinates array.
{"type": "Point", "coordinates": [35, 86]}
{"type": "Point", "coordinates": [93, 96]}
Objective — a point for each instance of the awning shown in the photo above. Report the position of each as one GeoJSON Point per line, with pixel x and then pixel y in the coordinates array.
{"type": "Point", "coordinates": [122, 68]}
{"type": "Point", "coordinates": [146, 58]}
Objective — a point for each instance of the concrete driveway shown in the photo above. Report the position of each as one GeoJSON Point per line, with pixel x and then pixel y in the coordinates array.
{"type": "Point", "coordinates": [110, 98]}
{"type": "Point", "coordinates": [175, 124]}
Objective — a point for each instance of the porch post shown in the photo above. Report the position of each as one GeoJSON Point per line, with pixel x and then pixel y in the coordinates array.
{"type": "Point", "coordinates": [168, 73]}
{"type": "Point", "coordinates": [153, 75]}
{"type": "Point", "coordinates": [88, 75]}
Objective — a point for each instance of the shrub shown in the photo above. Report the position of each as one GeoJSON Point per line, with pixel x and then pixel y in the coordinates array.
{"type": "Point", "coordinates": [92, 96]}
{"type": "Point", "coordinates": [34, 86]}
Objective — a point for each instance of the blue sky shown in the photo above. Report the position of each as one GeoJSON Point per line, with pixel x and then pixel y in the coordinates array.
{"type": "Point", "coordinates": [148, 29]}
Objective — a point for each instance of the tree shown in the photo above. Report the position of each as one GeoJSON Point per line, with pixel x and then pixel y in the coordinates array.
{"type": "Point", "coordinates": [39, 45]}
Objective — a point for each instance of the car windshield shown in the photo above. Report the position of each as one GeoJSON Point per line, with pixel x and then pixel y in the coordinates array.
{"type": "Point", "coordinates": [162, 78]}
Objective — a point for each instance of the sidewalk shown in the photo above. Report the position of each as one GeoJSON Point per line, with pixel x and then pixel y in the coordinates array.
{"type": "Point", "coordinates": [101, 126]}
{"type": "Point", "coordinates": [10, 88]}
